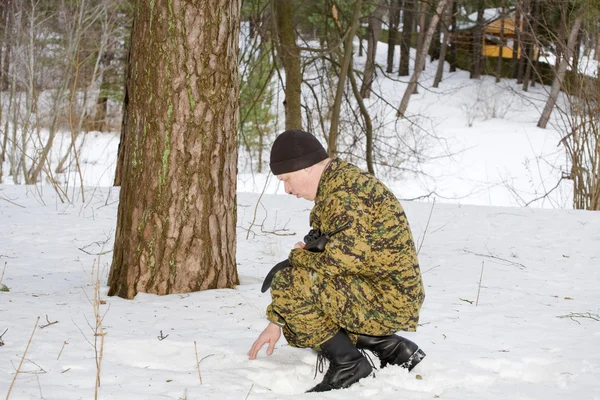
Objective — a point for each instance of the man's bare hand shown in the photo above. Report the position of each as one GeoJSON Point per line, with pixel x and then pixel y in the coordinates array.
{"type": "Point", "coordinates": [299, 245]}
{"type": "Point", "coordinates": [270, 335]}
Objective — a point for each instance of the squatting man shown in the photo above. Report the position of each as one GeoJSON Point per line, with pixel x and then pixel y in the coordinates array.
{"type": "Point", "coordinates": [361, 286]}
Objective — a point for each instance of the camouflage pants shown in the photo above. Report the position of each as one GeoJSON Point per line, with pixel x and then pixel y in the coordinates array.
{"type": "Point", "coordinates": [315, 306]}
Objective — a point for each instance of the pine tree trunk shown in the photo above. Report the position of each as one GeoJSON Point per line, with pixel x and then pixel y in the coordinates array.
{"type": "Point", "coordinates": [501, 46]}
{"type": "Point", "coordinates": [394, 13]}
{"type": "Point", "coordinates": [531, 44]}
{"type": "Point", "coordinates": [290, 58]}
{"type": "Point", "coordinates": [177, 211]}
{"type": "Point", "coordinates": [407, 29]}
{"type": "Point", "coordinates": [453, 37]}
{"type": "Point", "coordinates": [414, 79]}
{"type": "Point", "coordinates": [477, 42]}
{"type": "Point", "coordinates": [516, 42]}
{"type": "Point", "coordinates": [560, 73]}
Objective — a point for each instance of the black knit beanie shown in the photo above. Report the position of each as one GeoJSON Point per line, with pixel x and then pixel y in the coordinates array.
{"type": "Point", "coordinates": [295, 149]}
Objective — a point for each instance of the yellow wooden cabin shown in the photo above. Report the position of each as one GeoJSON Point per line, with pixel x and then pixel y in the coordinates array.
{"type": "Point", "coordinates": [492, 29]}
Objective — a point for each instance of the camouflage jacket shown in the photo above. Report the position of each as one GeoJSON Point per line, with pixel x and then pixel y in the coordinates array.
{"type": "Point", "coordinates": [378, 246]}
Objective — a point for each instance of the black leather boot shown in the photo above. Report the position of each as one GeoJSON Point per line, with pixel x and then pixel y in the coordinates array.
{"type": "Point", "coordinates": [392, 349]}
{"type": "Point", "coordinates": [346, 364]}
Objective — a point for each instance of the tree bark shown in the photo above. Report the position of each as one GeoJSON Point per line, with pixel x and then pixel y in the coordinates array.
{"type": "Point", "coordinates": [414, 79]}
{"type": "Point", "coordinates": [289, 53]}
{"type": "Point", "coordinates": [407, 30]}
{"type": "Point", "coordinates": [394, 14]}
{"type": "Point", "coordinates": [373, 32]}
{"type": "Point", "coordinates": [477, 42]}
{"type": "Point", "coordinates": [525, 40]}
{"type": "Point", "coordinates": [535, 13]}
{"type": "Point", "coordinates": [501, 46]}
{"type": "Point", "coordinates": [516, 41]}
{"type": "Point", "coordinates": [125, 106]}
{"type": "Point", "coordinates": [337, 103]}
{"type": "Point", "coordinates": [445, 22]}
{"type": "Point", "coordinates": [177, 211]}
{"type": "Point", "coordinates": [453, 37]}
{"type": "Point", "coordinates": [560, 73]}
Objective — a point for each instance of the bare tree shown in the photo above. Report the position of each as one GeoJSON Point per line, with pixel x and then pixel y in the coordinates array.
{"type": "Point", "coordinates": [560, 73]}
{"type": "Point", "coordinates": [177, 209]}
{"type": "Point", "coordinates": [345, 64]}
{"type": "Point", "coordinates": [373, 32]}
{"type": "Point", "coordinates": [414, 79]}
{"type": "Point", "coordinates": [445, 23]}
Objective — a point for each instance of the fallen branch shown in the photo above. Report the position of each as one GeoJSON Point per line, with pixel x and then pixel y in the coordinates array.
{"type": "Point", "coordinates": [48, 324]}
{"type": "Point", "coordinates": [587, 315]}
{"type": "Point", "coordinates": [497, 258]}
{"type": "Point", "coordinates": [479, 289]}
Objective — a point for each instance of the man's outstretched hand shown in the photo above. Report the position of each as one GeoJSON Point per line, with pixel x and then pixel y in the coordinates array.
{"type": "Point", "coordinates": [270, 335]}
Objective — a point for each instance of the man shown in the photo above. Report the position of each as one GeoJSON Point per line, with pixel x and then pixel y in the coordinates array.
{"type": "Point", "coordinates": [365, 285]}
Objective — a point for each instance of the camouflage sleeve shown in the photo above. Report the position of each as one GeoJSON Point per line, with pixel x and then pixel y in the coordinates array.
{"type": "Point", "coordinates": [274, 317]}
{"type": "Point", "coordinates": [346, 253]}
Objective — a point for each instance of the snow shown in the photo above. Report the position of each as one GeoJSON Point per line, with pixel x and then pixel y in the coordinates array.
{"type": "Point", "coordinates": [512, 307]}
{"type": "Point", "coordinates": [538, 267]}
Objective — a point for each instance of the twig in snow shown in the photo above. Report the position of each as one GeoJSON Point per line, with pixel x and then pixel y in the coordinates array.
{"type": "Point", "coordinates": [48, 324]}
{"type": "Point", "coordinates": [2, 341]}
{"type": "Point", "coordinates": [479, 288]}
{"type": "Point", "coordinates": [3, 270]}
{"type": "Point", "coordinates": [587, 315]}
{"type": "Point", "coordinates": [198, 363]}
{"type": "Point", "coordinates": [162, 337]}
{"type": "Point", "coordinates": [248, 395]}
{"type": "Point", "coordinates": [61, 349]}
{"type": "Point", "coordinates": [426, 227]}
{"type": "Point", "coordinates": [255, 208]}
{"type": "Point", "coordinates": [22, 359]}
{"type": "Point", "coordinates": [497, 258]}
{"type": "Point", "coordinates": [11, 202]}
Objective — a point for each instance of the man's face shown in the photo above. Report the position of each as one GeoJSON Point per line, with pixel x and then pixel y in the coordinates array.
{"type": "Point", "coordinates": [300, 184]}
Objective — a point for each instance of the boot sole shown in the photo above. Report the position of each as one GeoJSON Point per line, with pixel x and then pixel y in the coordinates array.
{"type": "Point", "coordinates": [415, 359]}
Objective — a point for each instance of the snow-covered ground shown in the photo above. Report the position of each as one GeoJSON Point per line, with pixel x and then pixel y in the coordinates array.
{"type": "Point", "coordinates": [527, 328]}
{"type": "Point", "coordinates": [530, 332]}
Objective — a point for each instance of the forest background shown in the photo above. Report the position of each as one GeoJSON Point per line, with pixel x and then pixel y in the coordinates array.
{"type": "Point", "coordinates": [63, 67]}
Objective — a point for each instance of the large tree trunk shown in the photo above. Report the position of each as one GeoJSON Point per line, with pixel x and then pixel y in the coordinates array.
{"type": "Point", "coordinates": [339, 93]}
{"type": "Point", "coordinates": [289, 53]}
{"type": "Point", "coordinates": [477, 42]}
{"type": "Point", "coordinates": [394, 14]}
{"type": "Point", "coordinates": [373, 32]}
{"type": "Point", "coordinates": [414, 79]}
{"type": "Point", "coordinates": [560, 73]}
{"type": "Point", "coordinates": [405, 43]}
{"type": "Point", "coordinates": [177, 211]}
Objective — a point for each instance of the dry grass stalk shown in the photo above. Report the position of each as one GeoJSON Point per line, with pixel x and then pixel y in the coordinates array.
{"type": "Point", "coordinates": [22, 358]}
